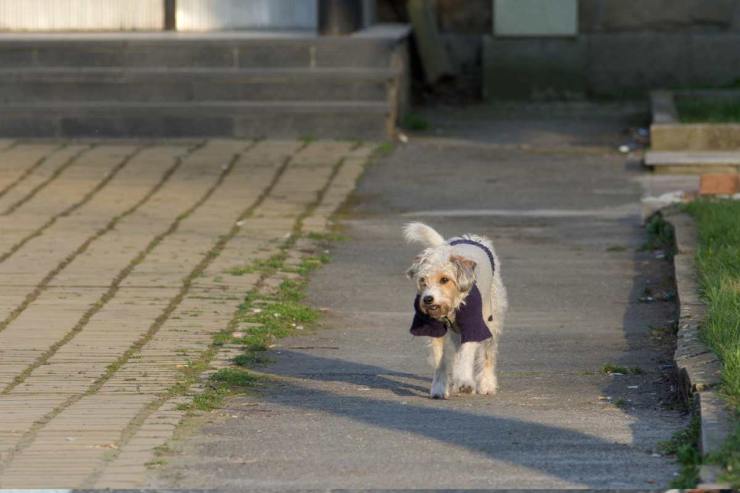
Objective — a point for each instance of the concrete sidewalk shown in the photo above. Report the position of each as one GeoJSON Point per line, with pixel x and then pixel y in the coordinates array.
{"type": "Point", "coordinates": [350, 406]}
{"type": "Point", "coordinates": [113, 280]}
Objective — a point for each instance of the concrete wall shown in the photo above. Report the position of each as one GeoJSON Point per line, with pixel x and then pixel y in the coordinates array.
{"type": "Point", "coordinates": [658, 15]}
{"type": "Point", "coordinates": [624, 48]}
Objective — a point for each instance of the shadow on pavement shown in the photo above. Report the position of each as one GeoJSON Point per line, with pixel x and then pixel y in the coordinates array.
{"type": "Point", "coordinates": [482, 434]}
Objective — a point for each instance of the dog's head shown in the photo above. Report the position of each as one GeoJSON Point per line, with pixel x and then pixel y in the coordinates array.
{"type": "Point", "coordinates": [442, 280]}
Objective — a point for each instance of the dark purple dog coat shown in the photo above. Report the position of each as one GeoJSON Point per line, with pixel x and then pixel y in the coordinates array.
{"type": "Point", "coordinates": [468, 320]}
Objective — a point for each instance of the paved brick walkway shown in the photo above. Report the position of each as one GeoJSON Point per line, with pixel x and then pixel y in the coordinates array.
{"type": "Point", "coordinates": [112, 280]}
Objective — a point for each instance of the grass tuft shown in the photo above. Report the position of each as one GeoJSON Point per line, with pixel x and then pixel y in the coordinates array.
{"type": "Point", "coordinates": [621, 403]}
{"type": "Point", "coordinates": [612, 369]}
{"type": "Point", "coordinates": [684, 446]}
{"type": "Point", "coordinates": [660, 236]}
{"type": "Point", "coordinates": [718, 259]}
{"type": "Point", "coordinates": [729, 458]}
{"type": "Point", "coordinates": [310, 264]}
{"type": "Point", "coordinates": [233, 378]}
{"type": "Point", "coordinates": [328, 237]}
{"type": "Point", "coordinates": [267, 317]}
{"type": "Point", "coordinates": [252, 359]}
{"type": "Point", "coordinates": [708, 111]}
{"type": "Point", "coordinates": [413, 121]}
{"type": "Point", "coordinates": [384, 149]}
{"type": "Point", "coordinates": [224, 382]}
{"type": "Point", "coordinates": [266, 266]}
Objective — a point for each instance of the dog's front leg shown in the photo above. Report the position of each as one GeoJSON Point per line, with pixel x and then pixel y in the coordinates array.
{"type": "Point", "coordinates": [439, 362]}
{"type": "Point", "coordinates": [462, 368]}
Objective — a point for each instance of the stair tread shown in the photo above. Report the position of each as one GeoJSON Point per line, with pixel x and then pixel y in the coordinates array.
{"type": "Point", "coordinates": [359, 72]}
{"type": "Point", "coordinates": [174, 36]}
{"type": "Point", "coordinates": [691, 158]}
{"type": "Point", "coordinates": [382, 33]}
{"type": "Point", "coordinates": [223, 105]}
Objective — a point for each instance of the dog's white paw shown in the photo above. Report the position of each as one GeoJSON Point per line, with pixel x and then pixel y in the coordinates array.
{"type": "Point", "coordinates": [464, 386]}
{"type": "Point", "coordinates": [462, 380]}
{"type": "Point", "coordinates": [487, 386]}
{"type": "Point", "coordinates": [439, 391]}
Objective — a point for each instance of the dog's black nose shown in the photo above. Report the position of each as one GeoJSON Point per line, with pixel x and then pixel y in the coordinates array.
{"type": "Point", "coordinates": [428, 299]}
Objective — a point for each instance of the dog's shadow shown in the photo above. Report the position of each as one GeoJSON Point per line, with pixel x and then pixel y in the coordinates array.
{"type": "Point", "coordinates": [306, 366]}
{"type": "Point", "coordinates": [302, 384]}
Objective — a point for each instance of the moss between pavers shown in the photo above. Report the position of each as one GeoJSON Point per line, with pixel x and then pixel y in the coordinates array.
{"type": "Point", "coordinates": [272, 316]}
{"type": "Point", "coordinates": [256, 317]}
{"type": "Point", "coordinates": [269, 315]}
{"type": "Point", "coordinates": [718, 261]}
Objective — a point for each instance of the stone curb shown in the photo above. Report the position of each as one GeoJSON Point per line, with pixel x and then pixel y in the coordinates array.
{"type": "Point", "coordinates": [699, 369]}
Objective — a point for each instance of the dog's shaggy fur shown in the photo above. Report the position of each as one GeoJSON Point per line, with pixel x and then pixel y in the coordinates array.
{"type": "Point", "coordinates": [444, 275]}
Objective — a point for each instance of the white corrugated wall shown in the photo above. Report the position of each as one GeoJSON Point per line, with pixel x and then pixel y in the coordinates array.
{"type": "Point", "coordinates": [81, 15]}
{"type": "Point", "coordinates": [208, 15]}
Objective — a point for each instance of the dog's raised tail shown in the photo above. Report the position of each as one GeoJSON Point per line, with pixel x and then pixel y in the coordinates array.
{"type": "Point", "coordinates": [421, 233]}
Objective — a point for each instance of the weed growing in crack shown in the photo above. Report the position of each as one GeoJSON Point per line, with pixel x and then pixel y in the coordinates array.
{"type": "Point", "coordinates": [728, 457]}
{"type": "Point", "coordinates": [267, 317]}
{"type": "Point", "coordinates": [612, 369]}
{"type": "Point", "coordinates": [283, 314]}
{"type": "Point", "coordinates": [621, 403]}
{"type": "Point", "coordinates": [684, 446]}
{"type": "Point", "coordinates": [660, 236]}
{"type": "Point", "coordinates": [266, 266]}
{"type": "Point", "coordinates": [224, 382]}
{"type": "Point", "coordinates": [252, 359]}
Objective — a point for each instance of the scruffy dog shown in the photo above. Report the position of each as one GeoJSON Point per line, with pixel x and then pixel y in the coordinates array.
{"type": "Point", "coordinates": [460, 304]}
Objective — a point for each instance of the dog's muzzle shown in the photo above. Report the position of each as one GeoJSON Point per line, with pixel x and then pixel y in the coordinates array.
{"type": "Point", "coordinates": [429, 306]}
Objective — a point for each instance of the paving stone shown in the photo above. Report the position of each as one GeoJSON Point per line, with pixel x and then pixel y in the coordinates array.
{"type": "Point", "coordinates": [74, 184]}
{"type": "Point", "coordinates": [140, 296]}
{"type": "Point", "coordinates": [42, 173]}
{"type": "Point", "coordinates": [19, 160]}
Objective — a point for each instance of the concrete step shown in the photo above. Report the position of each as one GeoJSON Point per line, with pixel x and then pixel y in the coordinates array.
{"type": "Point", "coordinates": [693, 162]}
{"type": "Point", "coordinates": [369, 120]}
{"type": "Point", "coordinates": [187, 84]}
{"type": "Point", "coordinates": [240, 84]}
{"type": "Point", "coordinates": [192, 50]}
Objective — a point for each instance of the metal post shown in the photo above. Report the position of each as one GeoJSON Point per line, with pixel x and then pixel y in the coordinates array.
{"type": "Point", "coordinates": [170, 20]}
{"type": "Point", "coordinates": [340, 16]}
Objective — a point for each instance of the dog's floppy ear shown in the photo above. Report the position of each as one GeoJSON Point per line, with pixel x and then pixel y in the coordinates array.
{"type": "Point", "coordinates": [412, 271]}
{"type": "Point", "coordinates": [464, 272]}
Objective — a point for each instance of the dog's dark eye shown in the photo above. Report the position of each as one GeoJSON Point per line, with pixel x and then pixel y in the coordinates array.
{"type": "Point", "coordinates": [444, 280]}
